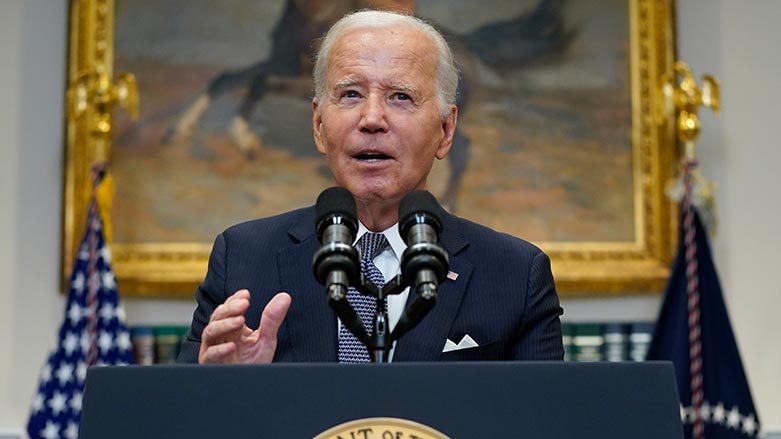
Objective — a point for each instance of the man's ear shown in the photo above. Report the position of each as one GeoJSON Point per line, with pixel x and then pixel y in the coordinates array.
{"type": "Point", "coordinates": [317, 126]}
{"type": "Point", "coordinates": [449, 123]}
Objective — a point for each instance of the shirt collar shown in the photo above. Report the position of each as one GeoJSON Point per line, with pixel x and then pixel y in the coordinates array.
{"type": "Point", "coordinates": [391, 234]}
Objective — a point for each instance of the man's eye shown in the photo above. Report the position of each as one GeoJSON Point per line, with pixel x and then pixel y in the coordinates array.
{"type": "Point", "coordinates": [351, 94]}
{"type": "Point", "coordinates": [402, 97]}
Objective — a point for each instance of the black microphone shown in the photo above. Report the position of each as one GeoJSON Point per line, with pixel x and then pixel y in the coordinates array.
{"type": "Point", "coordinates": [424, 264]}
{"type": "Point", "coordinates": [336, 263]}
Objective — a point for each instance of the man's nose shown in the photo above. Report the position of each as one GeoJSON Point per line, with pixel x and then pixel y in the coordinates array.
{"type": "Point", "coordinates": [373, 115]}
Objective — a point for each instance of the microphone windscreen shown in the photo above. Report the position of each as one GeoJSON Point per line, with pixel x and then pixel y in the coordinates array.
{"type": "Point", "coordinates": [335, 201]}
{"type": "Point", "coordinates": [419, 206]}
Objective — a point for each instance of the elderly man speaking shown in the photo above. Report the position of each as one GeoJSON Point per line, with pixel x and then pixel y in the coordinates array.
{"type": "Point", "coordinates": [384, 109]}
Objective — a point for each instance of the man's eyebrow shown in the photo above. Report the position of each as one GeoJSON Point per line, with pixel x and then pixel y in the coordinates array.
{"type": "Point", "coordinates": [343, 83]}
{"type": "Point", "coordinates": [408, 88]}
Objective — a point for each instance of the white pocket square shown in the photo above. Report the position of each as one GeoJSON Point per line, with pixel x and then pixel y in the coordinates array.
{"type": "Point", "coordinates": [465, 343]}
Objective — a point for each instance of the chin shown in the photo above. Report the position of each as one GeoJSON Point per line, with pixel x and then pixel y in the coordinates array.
{"type": "Point", "coordinates": [366, 187]}
{"type": "Point", "coordinates": [369, 194]}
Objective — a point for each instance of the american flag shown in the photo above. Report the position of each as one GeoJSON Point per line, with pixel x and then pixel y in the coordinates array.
{"type": "Point", "coordinates": [93, 333]}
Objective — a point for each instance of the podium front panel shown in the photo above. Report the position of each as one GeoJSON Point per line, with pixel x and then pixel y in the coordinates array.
{"type": "Point", "coordinates": [462, 400]}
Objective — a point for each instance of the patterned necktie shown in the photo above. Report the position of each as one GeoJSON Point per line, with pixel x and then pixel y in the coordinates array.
{"type": "Point", "coordinates": [351, 350]}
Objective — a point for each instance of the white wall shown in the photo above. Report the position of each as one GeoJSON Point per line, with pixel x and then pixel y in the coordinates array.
{"type": "Point", "coordinates": [739, 150]}
{"type": "Point", "coordinates": [33, 53]}
{"type": "Point", "coordinates": [752, 207]}
{"type": "Point", "coordinates": [9, 132]}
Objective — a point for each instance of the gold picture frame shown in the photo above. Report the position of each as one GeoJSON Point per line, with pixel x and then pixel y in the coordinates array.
{"type": "Point", "coordinates": [634, 266]}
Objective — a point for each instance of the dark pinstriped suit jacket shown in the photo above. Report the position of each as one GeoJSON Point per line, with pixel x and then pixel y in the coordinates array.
{"type": "Point", "coordinates": [504, 296]}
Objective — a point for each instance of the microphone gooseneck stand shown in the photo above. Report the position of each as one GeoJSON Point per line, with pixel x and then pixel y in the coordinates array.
{"type": "Point", "coordinates": [424, 266]}
{"type": "Point", "coordinates": [381, 340]}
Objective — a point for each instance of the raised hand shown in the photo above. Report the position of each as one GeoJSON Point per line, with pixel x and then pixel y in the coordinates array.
{"type": "Point", "coordinates": [227, 339]}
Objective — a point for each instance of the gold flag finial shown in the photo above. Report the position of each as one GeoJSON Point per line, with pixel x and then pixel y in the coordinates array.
{"type": "Point", "coordinates": [683, 96]}
{"type": "Point", "coordinates": [93, 95]}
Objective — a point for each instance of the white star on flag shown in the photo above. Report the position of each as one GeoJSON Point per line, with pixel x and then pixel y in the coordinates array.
{"type": "Point", "coordinates": [84, 252]}
{"type": "Point", "coordinates": [81, 371]}
{"type": "Point", "coordinates": [37, 405]}
{"type": "Point", "coordinates": [72, 432]}
{"type": "Point", "coordinates": [719, 414]}
{"type": "Point", "coordinates": [70, 343]}
{"type": "Point", "coordinates": [78, 283]}
{"type": "Point", "coordinates": [749, 425]}
{"type": "Point", "coordinates": [75, 402]}
{"type": "Point", "coordinates": [57, 403]}
{"type": "Point", "coordinates": [123, 341]}
{"type": "Point", "coordinates": [46, 372]}
{"type": "Point", "coordinates": [107, 312]}
{"type": "Point", "coordinates": [74, 314]}
{"type": "Point", "coordinates": [65, 373]}
{"type": "Point", "coordinates": [733, 418]}
{"type": "Point", "coordinates": [108, 280]}
{"type": "Point", "coordinates": [105, 254]}
{"type": "Point", "coordinates": [50, 431]}
{"type": "Point", "coordinates": [685, 411]}
{"type": "Point", "coordinates": [120, 314]}
{"type": "Point", "coordinates": [105, 340]}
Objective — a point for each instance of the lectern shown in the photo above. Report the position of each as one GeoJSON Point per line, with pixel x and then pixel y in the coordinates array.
{"type": "Point", "coordinates": [453, 400]}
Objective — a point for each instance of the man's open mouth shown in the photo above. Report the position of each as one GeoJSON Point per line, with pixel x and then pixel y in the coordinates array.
{"type": "Point", "coordinates": [372, 156]}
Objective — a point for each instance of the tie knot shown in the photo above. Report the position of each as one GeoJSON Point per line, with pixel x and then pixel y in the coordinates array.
{"type": "Point", "coordinates": [372, 244]}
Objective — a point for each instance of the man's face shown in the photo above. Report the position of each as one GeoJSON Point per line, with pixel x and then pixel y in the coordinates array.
{"type": "Point", "coordinates": [379, 123]}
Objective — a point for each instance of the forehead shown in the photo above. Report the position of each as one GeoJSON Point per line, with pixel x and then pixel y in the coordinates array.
{"type": "Point", "coordinates": [401, 49]}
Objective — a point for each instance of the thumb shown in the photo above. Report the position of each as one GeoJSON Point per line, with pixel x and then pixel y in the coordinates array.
{"type": "Point", "coordinates": [273, 316]}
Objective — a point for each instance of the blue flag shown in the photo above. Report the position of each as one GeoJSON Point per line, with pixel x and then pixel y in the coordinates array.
{"type": "Point", "coordinates": [93, 333]}
{"type": "Point", "coordinates": [726, 409]}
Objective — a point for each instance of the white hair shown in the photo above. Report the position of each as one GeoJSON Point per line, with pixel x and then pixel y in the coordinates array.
{"type": "Point", "coordinates": [447, 74]}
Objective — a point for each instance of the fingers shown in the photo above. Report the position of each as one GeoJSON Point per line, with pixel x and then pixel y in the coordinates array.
{"type": "Point", "coordinates": [221, 353]}
{"type": "Point", "coordinates": [227, 339]}
{"type": "Point", "coordinates": [226, 327]}
{"type": "Point", "coordinates": [219, 331]}
{"type": "Point", "coordinates": [235, 305]}
{"type": "Point", "coordinates": [218, 340]}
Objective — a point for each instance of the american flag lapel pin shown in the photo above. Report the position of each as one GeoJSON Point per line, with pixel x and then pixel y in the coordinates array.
{"type": "Point", "coordinates": [452, 275]}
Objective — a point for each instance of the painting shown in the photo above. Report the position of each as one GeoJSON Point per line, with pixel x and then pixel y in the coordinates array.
{"type": "Point", "coordinates": [559, 139]}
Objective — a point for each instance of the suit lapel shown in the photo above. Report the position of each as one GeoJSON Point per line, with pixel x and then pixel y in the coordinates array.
{"type": "Point", "coordinates": [425, 342]}
{"type": "Point", "coordinates": [310, 323]}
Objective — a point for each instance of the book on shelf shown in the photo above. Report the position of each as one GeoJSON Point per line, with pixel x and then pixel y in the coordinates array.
{"type": "Point", "coordinates": [616, 341]}
{"type": "Point", "coordinates": [157, 344]}
{"type": "Point", "coordinates": [606, 341]}
{"type": "Point", "coordinates": [640, 335]}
